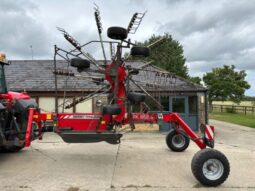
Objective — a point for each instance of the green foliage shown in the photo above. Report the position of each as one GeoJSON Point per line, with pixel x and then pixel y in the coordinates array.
{"type": "Point", "coordinates": [249, 98]}
{"type": "Point", "coordinates": [226, 84]}
{"type": "Point", "coordinates": [196, 80]}
{"type": "Point", "coordinates": [167, 54]}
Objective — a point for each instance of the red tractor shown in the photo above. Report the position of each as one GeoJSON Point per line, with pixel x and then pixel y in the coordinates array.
{"type": "Point", "coordinates": [14, 112]}
{"type": "Point", "coordinates": [21, 120]}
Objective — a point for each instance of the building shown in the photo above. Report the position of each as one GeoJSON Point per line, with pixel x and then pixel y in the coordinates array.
{"type": "Point", "coordinates": [174, 93]}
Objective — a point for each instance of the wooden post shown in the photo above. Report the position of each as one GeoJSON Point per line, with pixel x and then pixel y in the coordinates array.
{"type": "Point", "coordinates": [245, 108]}
{"type": "Point", "coordinates": [221, 108]}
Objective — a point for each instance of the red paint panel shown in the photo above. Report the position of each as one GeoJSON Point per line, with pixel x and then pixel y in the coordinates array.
{"type": "Point", "coordinates": [82, 121]}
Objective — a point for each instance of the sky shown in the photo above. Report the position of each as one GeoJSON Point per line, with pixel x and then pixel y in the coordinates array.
{"type": "Point", "coordinates": [212, 33]}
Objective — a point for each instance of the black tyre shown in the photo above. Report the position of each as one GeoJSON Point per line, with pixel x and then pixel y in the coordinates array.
{"type": "Point", "coordinates": [117, 33]}
{"type": "Point", "coordinates": [140, 51]}
{"type": "Point", "coordinates": [136, 98]}
{"type": "Point", "coordinates": [111, 109]}
{"type": "Point", "coordinates": [80, 63]}
{"type": "Point", "coordinates": [11, 149]}
{"type": "Point", "coordinates": [210, 167]}
{"type": "Point", "coordinates": [177, 141]}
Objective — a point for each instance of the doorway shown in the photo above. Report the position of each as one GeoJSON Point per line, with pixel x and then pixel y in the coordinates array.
{"type": "Point", "coordinates": [187, 107]}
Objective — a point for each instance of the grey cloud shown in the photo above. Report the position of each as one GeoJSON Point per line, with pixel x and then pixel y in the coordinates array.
{"type": "Point", "coordinates": [16, 6]}
{"type": "Point", "coordinates": [19, 30]}
{"type": "Point", "coordinates": [212, 33]}
{"type": "Point", "coordinates": [204, 15]}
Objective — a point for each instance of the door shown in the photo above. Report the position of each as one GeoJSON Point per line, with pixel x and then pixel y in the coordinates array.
{"type": "Point", "coordinates": [186, 106]}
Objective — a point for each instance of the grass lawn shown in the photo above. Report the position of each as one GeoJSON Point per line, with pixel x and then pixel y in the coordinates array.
{"type": "Point", "coordinates": [236, 118]}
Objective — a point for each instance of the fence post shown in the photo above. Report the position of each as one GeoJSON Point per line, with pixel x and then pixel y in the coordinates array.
{"type": "Point", "coordinates": [237, 109]}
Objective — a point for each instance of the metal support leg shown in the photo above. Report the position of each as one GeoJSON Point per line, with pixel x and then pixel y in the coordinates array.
{"type": "Point", "coordinates": [29, 127]}
{"type": "Point", "coordinates": [193, 136]}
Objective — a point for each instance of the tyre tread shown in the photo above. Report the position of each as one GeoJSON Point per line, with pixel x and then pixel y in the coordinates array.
{"type": "Point", "coordinates": [171, 133]}
{"type": "Point", "coordinates": [203, 155]}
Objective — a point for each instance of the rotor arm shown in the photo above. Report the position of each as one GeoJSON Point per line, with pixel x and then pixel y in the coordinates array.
{"type": "Point", "coordinates": [70, 39]}
{"type": "Point", "coordinates": [154, 100]}
{"type": "Point", "coordinates": [75, 43]}
{"type": "Point", "coordinates": [156, 43]}
{"type": "Point", "coordinates": [135, 22]}
{"type": "Point", "coordinates": [85, 98]}
{"type": "Point", "coordinates": [94, 78]}
{"type": "Point", "coordinates": [99, 28]}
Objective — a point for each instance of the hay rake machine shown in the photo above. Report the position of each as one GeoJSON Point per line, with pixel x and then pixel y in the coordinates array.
{"type": "Point", "coordinates": [115, 79]}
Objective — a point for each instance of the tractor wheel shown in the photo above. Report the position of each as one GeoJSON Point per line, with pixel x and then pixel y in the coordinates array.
{"type": "Point", "coordinates": [136, 98]}
{"type": "Point", "coordinates": [111, 109]}
{"type": "Point", "coordinates": [177, 141]}
{"type": "Point", "coordinates": [210, 167]}
{"type": "Point", "coordinates": [80, 63]}
{"type": "Point", "coordinates": [21, 120]}
{"type": "Point", "coordinates": [140, 51]}
{"type": "Point", "coordinates": [117, 33]}
{"type": "Point", "coordinates": [11, 149]}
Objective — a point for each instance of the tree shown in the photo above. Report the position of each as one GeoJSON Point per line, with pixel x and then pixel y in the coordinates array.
{"type": "Point", "coordinates": [226, 84]}
{"type": "Point", "coordinates": [196, 80]}
{"type": "Point", "coordinates": [167, 55]}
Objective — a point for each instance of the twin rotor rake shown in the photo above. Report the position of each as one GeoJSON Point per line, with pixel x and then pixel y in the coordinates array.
{"type": "Point", "coordinates": [125, 86]}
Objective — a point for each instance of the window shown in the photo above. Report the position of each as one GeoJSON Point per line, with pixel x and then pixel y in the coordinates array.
{"type": "Point", "coordinates": [179, 105]}
{"type": "Point", "coordinates": [193, 105]}
{"type": "Point", "coordinates": [164, 100]}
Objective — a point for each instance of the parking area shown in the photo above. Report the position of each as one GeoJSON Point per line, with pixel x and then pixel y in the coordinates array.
{"type": "Point", "coordinates": [141, 162]}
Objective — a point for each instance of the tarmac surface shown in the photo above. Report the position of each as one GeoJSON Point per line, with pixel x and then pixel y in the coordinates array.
{"type": "Point", "coordinates": [141, 162]}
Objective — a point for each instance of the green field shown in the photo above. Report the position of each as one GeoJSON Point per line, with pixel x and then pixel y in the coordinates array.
{"type": "Point", "coordinates": [236, 118]}
{"type": "Point", "coordinates": [242, 103]}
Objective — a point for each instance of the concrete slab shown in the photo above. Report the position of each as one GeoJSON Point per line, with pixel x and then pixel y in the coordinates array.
{"type": "Point", "coordinates": [55, 165]}
{"type": "Point", "coordinates": [141, 162]}
{"type": "Point", "coordinates": [234, 135]}
{"type": "Point", "coordinates": [148, 164]}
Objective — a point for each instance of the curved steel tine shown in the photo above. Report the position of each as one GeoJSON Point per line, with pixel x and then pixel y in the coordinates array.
{"type": "Point", "coordinates": [61, 29]}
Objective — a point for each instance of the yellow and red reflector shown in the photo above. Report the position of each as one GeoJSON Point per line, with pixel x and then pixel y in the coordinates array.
{"type": "Point", "coordinates": [2, 57]}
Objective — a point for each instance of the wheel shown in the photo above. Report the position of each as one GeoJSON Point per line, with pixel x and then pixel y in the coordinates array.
{"type": "Point", "coordinates": [111, 109]}
{"type": "Point", "coordinates": [11, 149]}
{"type": "Point", "coordinates": [140, 51]}
{"type": "Point", "coordinates": [210, 167]}
{"type": "Point", "coordinates": [117, 33]}
{"type": "Point", "coordinates": [136, 98]}
{"type": "Point", "coordinates": [21, 119]}
{"type": "Point", "coordinates": [79, 63]}
{"type": "Point", "coordinates": [177, 141]}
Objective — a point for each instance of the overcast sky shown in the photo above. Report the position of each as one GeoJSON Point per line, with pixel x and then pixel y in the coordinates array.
{"type": "Point", "coordinates": [213, 33]}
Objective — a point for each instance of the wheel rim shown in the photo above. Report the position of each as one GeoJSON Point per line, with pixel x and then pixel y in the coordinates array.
{"type": "Point", "coordinates": [213, 169]}
{"type": "Point", "coordinates": [178, 140]}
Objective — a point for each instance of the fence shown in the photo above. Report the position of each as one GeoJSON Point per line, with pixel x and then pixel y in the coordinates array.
{"type": "Point", "coordinates": [233, 109]}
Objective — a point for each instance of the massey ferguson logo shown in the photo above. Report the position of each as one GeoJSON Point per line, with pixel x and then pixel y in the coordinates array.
{"type": "Point", "coordinates": [80, 117]}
